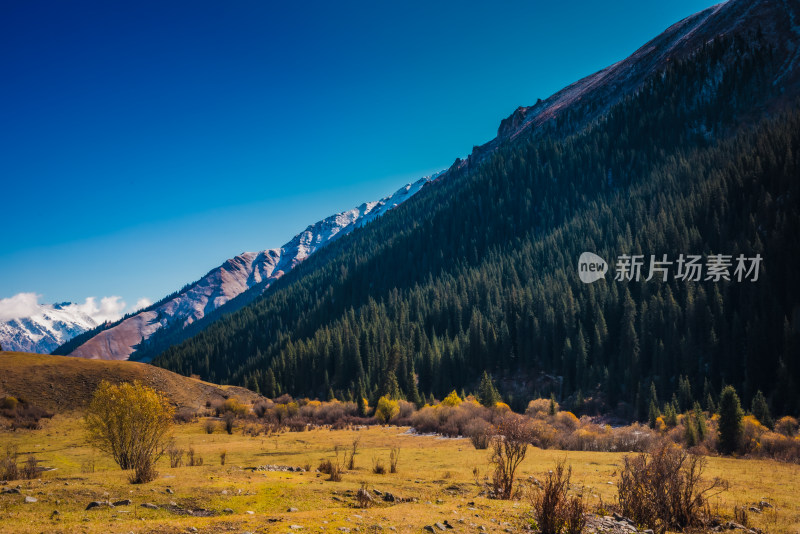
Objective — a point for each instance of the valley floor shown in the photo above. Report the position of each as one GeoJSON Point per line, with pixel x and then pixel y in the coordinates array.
{"type": "Point", "coordinates": [435, 479]}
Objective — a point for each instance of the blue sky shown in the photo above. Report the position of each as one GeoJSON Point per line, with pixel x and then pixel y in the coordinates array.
{"type": "Point", "coordinates": [143, 143]}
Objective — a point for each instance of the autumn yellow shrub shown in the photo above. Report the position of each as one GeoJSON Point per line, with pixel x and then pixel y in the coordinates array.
{"type": "Point", "coordinates": [544, 435]}
{"type": "Point", "coordinates": [386, 409]}
{"type": "Point", "coordinates": [232, 405]}
{"type": "Point", "coordinates": [752, 430]}
{"type": "Point", "coordinates": [787, 426]}
{"type": "Point", "coordinates": [567, 421]}
{"type": "Point", "coordinates": [131, 422]}
{"type": "Point", "coordinates": [452, 399]}
{"type": "Point", "coordinates": [538, 408]}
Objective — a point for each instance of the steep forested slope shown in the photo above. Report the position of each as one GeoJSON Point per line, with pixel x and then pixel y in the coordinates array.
{"type": "Point", "coordinates": [478, 271]}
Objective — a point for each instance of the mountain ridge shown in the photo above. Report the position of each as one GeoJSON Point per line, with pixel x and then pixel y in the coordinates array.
{"type": "Point", "coordinates": [248, 272]}
{"type": "Point", "coordinates": [477, 273]}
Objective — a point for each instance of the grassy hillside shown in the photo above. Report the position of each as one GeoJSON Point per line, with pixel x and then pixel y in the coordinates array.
{"type": "Point", "coordinates": [61, 383]}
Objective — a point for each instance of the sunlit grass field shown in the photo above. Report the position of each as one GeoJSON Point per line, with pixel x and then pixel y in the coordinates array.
{"type": "Point", "coordinates": [436, 478]}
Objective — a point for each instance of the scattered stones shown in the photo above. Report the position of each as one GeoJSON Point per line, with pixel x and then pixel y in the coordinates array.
{"type": "Point", "coordinates": [99, 504]}
{"type": "Point", "coordinates": [123, 502]}
{"type": "Point", "coordinates": [292, 510]}
{"type": "Point", "coordinates": [29, 499]}
{"type": "Point", "coordinates": [764, 504]}
{"type": "Point", "coordinates": [615, 524]}
{"type": "Point", "coordinates": [280, 468]}
{"type": "Point", "coordinates": [755, 510]}
{"type": "Point", "coordinates": [391, 497]}
{"type": "Point", "coordinates": [364, 496]}
{"type": "Point", "coordinates": [296, 527]}
{"type": "Point", "coordinates": [149, 506]}
{"type": "Point", "coordinates": [10, 490]}
{"type": "Point", "coordinates": [191, 529]}
{"type": "Point", "coordinates": [169, 490]}
{"type": "Point", "coordinates": [730, 525]}
{"type": "Point", "coordinates": [227, 511]}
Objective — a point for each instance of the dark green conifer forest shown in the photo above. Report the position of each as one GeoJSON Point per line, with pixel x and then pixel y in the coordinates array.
{"type": "Point", "coordinates": [478, 272]}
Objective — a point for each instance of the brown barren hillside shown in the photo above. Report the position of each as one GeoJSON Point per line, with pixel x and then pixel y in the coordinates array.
{"type": "Point", "coordinates": [63, 383]}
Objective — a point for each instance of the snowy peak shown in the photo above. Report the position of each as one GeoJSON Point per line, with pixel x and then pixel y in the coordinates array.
{"type": "Point", "coordinates": [46, 328]}
{"type": "Point", "coordinates": [247, 272]}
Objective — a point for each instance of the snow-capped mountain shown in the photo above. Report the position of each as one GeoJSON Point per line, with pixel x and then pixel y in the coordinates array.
{"type": "Point", "coordinates": [248, 271]}
{"type": "Point", "coordinates": [48, 327]}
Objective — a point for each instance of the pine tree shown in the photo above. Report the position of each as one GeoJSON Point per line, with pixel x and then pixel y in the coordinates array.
{"type": "Point", "coordinates": [730, 421]}
{"type": "Point", "coordinates": [362, 403]}
{"type": "Point", "coordinates": [653, 415]}
{"type": "Point", "coordinates": [760, 409]}
{"type": "Point", "coordinates": [710, 406]}
{"type": "Point", "coordinates": [670, 415]}
{"type": "Point", "coordinates": [700, 422]}
{"type": "Point", "coordinates": [552, 410]}
{"type": "Point", "coordinates": [685, 399]}
{"type": "Point", "coordinates": [271, 390]}
{"type": "Point", "coordinates": [487, 394]}
{"type": "Point", "coordinates": [413, 392]}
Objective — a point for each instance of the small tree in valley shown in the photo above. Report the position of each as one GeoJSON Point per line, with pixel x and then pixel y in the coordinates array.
{"type": "Point", "coordinates": [131, 422]}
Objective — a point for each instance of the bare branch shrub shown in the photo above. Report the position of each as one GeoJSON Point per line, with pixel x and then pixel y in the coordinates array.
{"type": "Point", "coordinates": [378, 466]}
{"type": "Point", "coordinates": [193, 459]}
{"type": "Point", "coordinates": [509, 447]}
{"type": "Point", "coordinates": [394, 457]}
{"type": "Point", "coordinates": [664, 490]}
{"type": "Point", "coordinates": [175, 455]}
{"type": "Point", "coordinates": [351, 463]}
{"type": "Point", "coordinates": [554, 510]}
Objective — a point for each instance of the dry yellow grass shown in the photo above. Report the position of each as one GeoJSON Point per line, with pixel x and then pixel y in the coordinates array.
{"type": "Point", "coordinates": [438, 473]}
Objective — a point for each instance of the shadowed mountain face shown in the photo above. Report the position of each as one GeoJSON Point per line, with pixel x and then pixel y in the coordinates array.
{"type": "Point", "coordinates": [686, 147]}
{"type": "Point", "coordinates": [246, 275]}
{"type": "Point", "coordinates": [776, 21]}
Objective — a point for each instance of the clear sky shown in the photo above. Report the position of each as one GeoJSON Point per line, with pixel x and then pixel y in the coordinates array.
{"type": "Point", "coordinates": [143, 143]}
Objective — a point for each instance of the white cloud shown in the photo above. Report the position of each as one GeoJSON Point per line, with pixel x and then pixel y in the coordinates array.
{"type": "Point", "coordinates": [109, 309]}
{"type": "Point", "coordinates": [24, 305]}
{"type": "Point", "coordinates": [20, 305]}
{"type": "Point", "coordinates": [142, 303]}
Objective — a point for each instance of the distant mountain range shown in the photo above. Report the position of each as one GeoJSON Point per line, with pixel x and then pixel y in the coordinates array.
{"type": "Point", "coordinates": [246, 276]}
{"type": "Point", "coordinates": [45, 329]}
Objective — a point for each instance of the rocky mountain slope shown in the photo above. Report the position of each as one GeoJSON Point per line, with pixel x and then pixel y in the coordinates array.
{"type": "Point", "coordinates": [778, 21]}
{"type": "Point", "coordinates": [249, 272]}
